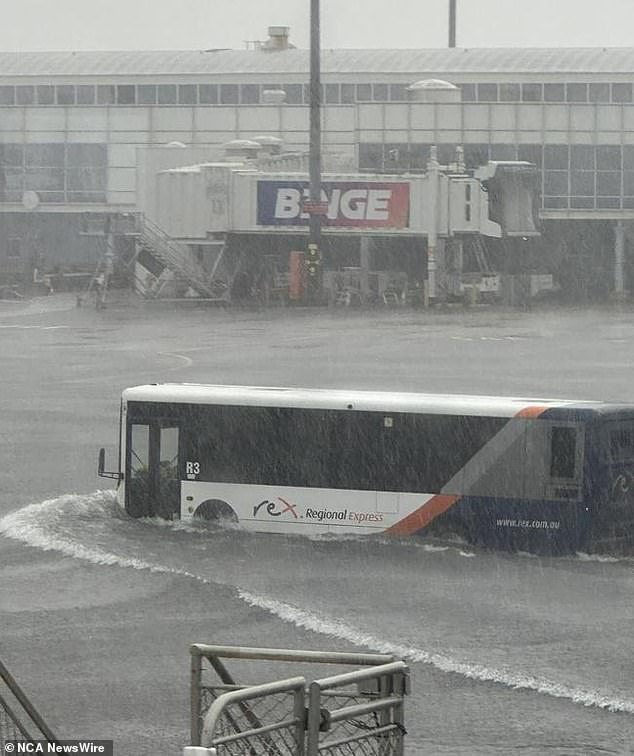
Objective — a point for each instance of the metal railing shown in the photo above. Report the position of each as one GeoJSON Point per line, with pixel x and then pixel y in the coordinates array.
{"type": "Point", "coordinates": [236, 723]}
{"type": "Point", "coordinates": [19, 719]}
{"type": "Point", "coordinates": [371, 728]}
{"type": "Point", "coordinates": [359, 712]}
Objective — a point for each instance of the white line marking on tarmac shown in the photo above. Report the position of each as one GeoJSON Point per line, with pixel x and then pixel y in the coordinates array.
{"type": "Point", "coordinates": [35, 327]}
{"type": "Point", "coordinates": [188, 362]}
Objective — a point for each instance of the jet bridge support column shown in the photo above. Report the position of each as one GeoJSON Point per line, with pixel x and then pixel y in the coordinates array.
{"type": "Point", "coordinates": [619, 260]}
{"type": "Point", "coordinates": [364, 261]}
{"type": "Point", "coordinates": [433, 171]}
{"type": "Point", "coordinates": [455, 265]}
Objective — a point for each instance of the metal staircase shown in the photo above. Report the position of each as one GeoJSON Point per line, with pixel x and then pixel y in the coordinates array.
{"type": "Point", "coordinates": [168, 260]}
{"type": "Point", "coordinates": [481, 253]}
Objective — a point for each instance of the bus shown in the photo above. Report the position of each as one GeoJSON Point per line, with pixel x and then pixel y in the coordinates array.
{"type": "Point", "coordinates": [530, 474]}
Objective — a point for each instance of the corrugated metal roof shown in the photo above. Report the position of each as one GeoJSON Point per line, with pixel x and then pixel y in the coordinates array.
{"type": "Point", "coordinates": [443, 62]}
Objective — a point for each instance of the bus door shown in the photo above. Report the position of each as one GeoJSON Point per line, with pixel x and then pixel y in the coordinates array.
{"type": "Point", "coordinates": [153, 479]}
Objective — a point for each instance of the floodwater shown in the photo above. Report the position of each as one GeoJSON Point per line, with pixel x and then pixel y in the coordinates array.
{"type": "Point", "coordinates": [508, 652]}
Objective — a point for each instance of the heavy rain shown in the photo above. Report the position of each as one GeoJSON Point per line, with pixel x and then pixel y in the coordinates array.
{"type": "Point", "coordinates": [420, 242]}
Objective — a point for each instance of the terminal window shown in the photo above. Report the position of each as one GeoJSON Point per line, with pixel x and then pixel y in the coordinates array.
{"type": "Point", "coordinates": [7, 95]}
{"type": "Point", "coordinates": [599, 92]}
{"type": "Point", "coordinates": [66, 95]}
{"type": "Point", "coordinates": [576, 92]}
{"type": "Point", "coordinates": [250, 94]}
{"type": "Point", "coordinates": [532, 92]}
{"type": "Point", "coordinates": [582, 157]}
{"type": "Point", "coordinates": [208, 94]}
{"type": "Point", "coordinates": [487, 92]}
{"type": "Point", "coordinates": [509, 92]}
{"type": "Point", "coordinates": [229, 94]}
{"type": "Point", "coordinates": [126, 94]}
{"type": "Point", "coordinates": [146, 94]}
{"type": "Point", "coordinates": [609, 157]}
{"type": "Point", "coordinates": [105, 94]}
{"type": "Point", "coordinates": [85, 94]}
{"type": "Point", "coordinates": [57, 172]}
{"type": "Point", "coordinates": [556, 156]}
{"type": "Point", "coordinates": [24, 95]}
{"type": "Point", "coordinates": [332, 93]}
{"type": "Point", "coordinates": [45, 95]}
{"type": "Point", "coordinates": [167, 94]}
{"type": "Point", "coordinates": [582, 183]}
{"type": "Point", "coordinates": [554, 92]}
{"type": "Point", "coordinates": [364, 92]}
{"type": "Point", "coordinates": [343, 92]}
{"type": "Point", "coordinates": [398, 92]}
{"type": "Point", "coordinates": [621, 92]}
{"type": "Point", "coordinates": [187, 94]}
{"type": "Point", "coordinates": [293, 93]}
{"type": "Point", "coordinates": [379, 92]}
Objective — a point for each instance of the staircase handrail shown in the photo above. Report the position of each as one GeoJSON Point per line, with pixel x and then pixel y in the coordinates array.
{"type": "Point", "coordinates": [26, 705]}
{"type": "Point", "coordinates": [172, 254]}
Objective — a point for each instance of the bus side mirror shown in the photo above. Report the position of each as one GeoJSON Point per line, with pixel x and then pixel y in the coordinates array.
{"type": "Point", "coordinates": [101, 463]}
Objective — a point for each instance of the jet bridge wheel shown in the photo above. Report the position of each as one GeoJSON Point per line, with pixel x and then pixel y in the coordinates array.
{"type": "Point", "coordinates": [213, 510]}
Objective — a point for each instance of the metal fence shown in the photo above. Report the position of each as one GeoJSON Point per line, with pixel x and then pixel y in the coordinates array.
{"type": "Point", "coordinates": [358, 713]}
{"type": "Point", "coordinates": [19, 720]}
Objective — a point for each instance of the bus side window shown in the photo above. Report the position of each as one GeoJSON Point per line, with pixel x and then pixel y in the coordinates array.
{"type": "Point", "coordinates": [169, 452]}
{"type": "Point", "coordinates": [138, 499]}
{"type": "Point", "coordinates": [139, 450]}
{"type": "Point", "coordinates": [622, 444]}
{"type": "Point", "coordinates": [563, 456]}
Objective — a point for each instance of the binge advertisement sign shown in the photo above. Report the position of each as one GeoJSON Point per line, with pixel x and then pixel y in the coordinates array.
{"type": "Point", "coordinates": [350, 203]}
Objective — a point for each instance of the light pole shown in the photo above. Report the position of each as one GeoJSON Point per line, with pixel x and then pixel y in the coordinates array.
{"type": "Point", "coordinates": [313, 261]}
{"type": "Point", "coordinates": [452, 23]}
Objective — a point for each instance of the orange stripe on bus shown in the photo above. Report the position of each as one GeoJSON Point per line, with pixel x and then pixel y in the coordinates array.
{"type": "Point", "coordinates": [422, 516]}
{"type": "Point", "coordinates": [531, 412]}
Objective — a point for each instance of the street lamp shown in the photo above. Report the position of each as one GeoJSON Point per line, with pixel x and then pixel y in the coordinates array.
{"type": "Point", "coordinates": [313, 259]}
{"type": "Point", "coordinates": [452, 23]}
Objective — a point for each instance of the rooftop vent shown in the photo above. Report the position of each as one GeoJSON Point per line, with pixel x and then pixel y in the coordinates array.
{"type": "Point", "coordinates": [278, 38]}
{"type": "Point", "coordinates": [238, 150]}
{"type": "Point", "coordinates": [433, 90]}
{"type": "Point", "coordinates": [269, 145]}
{"type": "Point", "coordinates": [273, 96]}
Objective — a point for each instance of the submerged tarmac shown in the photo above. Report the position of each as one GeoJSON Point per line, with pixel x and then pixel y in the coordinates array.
{"type": "Point", "coordinates": [508, 651]}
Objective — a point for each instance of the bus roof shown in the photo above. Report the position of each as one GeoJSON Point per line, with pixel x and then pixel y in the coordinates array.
{"type": "Point", "coordinates": [309, 398]}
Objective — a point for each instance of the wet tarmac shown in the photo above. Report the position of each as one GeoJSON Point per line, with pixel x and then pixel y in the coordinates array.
{"type": "Point", "coordinates": [508, 652]}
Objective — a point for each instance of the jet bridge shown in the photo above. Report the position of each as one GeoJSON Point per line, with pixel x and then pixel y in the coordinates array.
{"type": "Point", "coordinates": [228, 217]}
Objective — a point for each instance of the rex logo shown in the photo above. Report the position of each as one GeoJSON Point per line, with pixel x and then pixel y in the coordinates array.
{"type": "Point", "coordinates": [275, 508]}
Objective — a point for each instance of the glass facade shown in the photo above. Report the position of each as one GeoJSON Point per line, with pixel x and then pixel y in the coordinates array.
{"type": "Point", "coordinates": [576, 177]}
{"type": "Point", "coordinates": [297, 94]}
{"type": "Point", "coordinates": [73, 173]}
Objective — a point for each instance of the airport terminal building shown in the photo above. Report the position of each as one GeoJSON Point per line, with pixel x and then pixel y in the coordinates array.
{"type": "Point", "coordinates": [73, 124]}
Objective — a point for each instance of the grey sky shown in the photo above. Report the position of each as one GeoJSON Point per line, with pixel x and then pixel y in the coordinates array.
{"type": "Point", "coordinates": [200, 24]}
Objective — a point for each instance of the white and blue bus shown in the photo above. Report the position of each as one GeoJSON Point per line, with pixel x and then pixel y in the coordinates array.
{"type": "Point", "coordinates": [542, 475]}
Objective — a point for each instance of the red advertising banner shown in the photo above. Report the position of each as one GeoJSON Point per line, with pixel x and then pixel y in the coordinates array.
{"type": "Point", "coordinates": [380, 204]}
